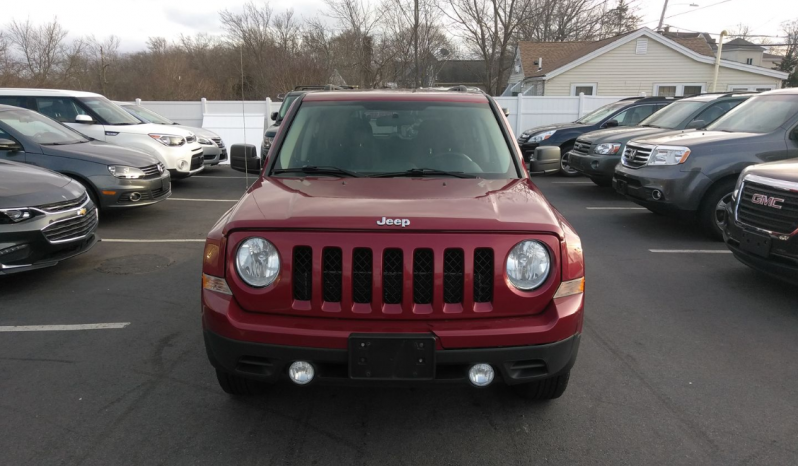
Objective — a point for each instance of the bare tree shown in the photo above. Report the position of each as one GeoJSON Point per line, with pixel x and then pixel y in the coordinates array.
{"type": "Point", "coordinates": [39, 46]}
{"type": "Point", "coordinates": [740, 31]}
{"type": "Point", "coordinates": [790, 52]}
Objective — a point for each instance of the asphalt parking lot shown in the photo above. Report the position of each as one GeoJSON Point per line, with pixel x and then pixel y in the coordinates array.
{"type": "Point", "coordinates": [688, 357]}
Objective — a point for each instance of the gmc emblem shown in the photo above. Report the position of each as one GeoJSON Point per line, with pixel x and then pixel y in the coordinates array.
{"type": "Point", "coordinates": [762, 199]}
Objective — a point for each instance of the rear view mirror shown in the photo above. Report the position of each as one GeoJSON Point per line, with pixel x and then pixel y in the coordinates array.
{"type": "Point", "coordinates": [545, 161]}
{"type": "Point", "coordinates": [696, 124]}
{"type": "Point", "coordinates": [611, 124]}
{"type": "Point", "coordinates": [274, 116]}
{"type": "Point", "coordinates": [8, 144]}
{"type": "Point", "coordinates": [506, 111]}
{"type": "Point", "coordinates": [84, 119]}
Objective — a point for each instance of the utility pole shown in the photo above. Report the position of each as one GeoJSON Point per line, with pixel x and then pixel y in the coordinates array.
{"type": "Point", "coordinates": [662, 16]}
{"type": "Point", "coordinates": [717, 60]}
{"type": "Point", "coordinates": [415, 41]}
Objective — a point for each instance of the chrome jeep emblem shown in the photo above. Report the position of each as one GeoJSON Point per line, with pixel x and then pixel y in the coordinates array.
{"type": "Point", "coordinates": [402, 222]}
{"type": "Point", "coordinates": [768, 201]}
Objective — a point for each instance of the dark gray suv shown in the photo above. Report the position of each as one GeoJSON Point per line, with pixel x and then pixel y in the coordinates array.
{"type": "Point", "coordinates": [694, 173]}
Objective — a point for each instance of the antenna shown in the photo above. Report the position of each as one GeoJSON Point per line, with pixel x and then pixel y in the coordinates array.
{"type": "Point", "coordinates": [540, 63]}
{"type": "Point", "coordinates": [244, 120]}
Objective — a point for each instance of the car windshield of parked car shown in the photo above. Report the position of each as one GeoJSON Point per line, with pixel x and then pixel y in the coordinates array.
{"type": "Point", "coordinates": [289, 99]}
{"type": "Point", "coordinates": [760, 114]}
{"type": "Point", "coordinates": [112, 114]}
{"type": "Point", "coordinates": [597, 115]}
{"type": "Point", "coordinates": [147, 115]}
{"type": "Point", "coordinates": [673, 115]}
{"type": "Point", "coordinates": [41, 129]}
{"type": "Point", "coordinates": [374, 138]}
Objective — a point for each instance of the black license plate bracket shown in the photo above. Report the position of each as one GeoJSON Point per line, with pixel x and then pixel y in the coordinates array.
{"type": "Point", "coordinates": [392, 357]}
{"type": "Point", "coordinates": [755, 243]}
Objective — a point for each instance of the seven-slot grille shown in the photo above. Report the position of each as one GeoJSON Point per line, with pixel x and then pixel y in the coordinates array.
{"type": "Point", "coordinates": [636, 156]}
{"type": "Point", "coordinates": [392, 279]}
{"type": "Point", "coordinates": [64, 205]}
{"type": "Point", "coordinates": [581, 147]}
{"type": "Point", "coordinates": [783, 220]}
{"type": "Point", "coordinates": [71, 229]}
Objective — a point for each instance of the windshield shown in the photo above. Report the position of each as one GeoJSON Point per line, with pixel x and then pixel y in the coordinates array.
{"type": "Point", "coordinates": [112, 114]}
{"type": "Point", "coordinates": [672, 116]}
{"type": "Point", "coordinates": [373, 138]}
{"type": "Point", "coordinates": [603, 112]}
{"type": "Point", "coordinates": [40, 128]}
{"type": "Point", "coordinates": [147, 115]}
{"type": "Point", "coordinates": [760, 114]}
{"type": "Point", "coordinates": [289, 99]}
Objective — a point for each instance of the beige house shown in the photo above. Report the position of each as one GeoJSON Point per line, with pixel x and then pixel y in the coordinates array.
{"type": "Point", "coordinates": [641, 62]}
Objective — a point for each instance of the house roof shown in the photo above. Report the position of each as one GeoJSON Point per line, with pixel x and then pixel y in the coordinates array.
{"type": "Point", "coordinates": [559, 57]}
{"type": "Point", "coordinates": [740, 43]}
{"type": "Point", "coordinates": [772, 56]}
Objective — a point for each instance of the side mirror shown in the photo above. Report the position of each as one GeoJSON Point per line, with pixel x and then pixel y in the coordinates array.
{"type": "Point", "coordinates": [244, 158]}
{"type": "Point", "coordinates": [84, 119]}
{"type": "Point", "coordinates": [696, 124]}
{"type": "Point", "coordinates": [506, 111]}
{"type": "Point", "coordinates": [546, 160]}
{"type": "Point", "coordinates": [9, 145]}
{"type": "Point", "coordinates": [274, 116]}
{"type": "Point", "coordinates": [611, 124]}
{"type": "Point", "coordinates": [794, 134]}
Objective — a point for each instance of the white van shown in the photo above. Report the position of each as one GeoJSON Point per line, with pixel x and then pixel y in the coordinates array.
{"type": "Point", "coordinates": [99, 118]}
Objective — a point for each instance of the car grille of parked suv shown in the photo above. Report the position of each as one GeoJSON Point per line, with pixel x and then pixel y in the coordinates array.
{"type": "Point", "coordinates": [778, 220]}
{"type": "Point", "coordinates": [71, 229]}
{"type": "Point", "coordinates": [636, 155]}
{"type": "Point", "coordinates": [64, 205]}
{"type": "Point", "coordinates": [581, 147]}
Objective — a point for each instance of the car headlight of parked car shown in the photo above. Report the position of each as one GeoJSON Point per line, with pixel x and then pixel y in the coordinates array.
{"type": "Point", "coordinates": [205, 141]}
{"type": "Point", "coordinates": [169, 139]}
{"type": "Point", "coordinates": [540, 137]}
{"type": "Point", "coordinates": [257, 262]}
{"type": "Point", "coordinates": [8, 216]}
{"type": "Point", "coordinates": [610, 148]}
{"type": "Point", "coordinates": [121, 171]}
{"type": "Point", "coordinates": [668, 155]}
{"type": "Point", "coordinates": [267, 142]}
{"type": "Point", "coordinates": [528, 265]}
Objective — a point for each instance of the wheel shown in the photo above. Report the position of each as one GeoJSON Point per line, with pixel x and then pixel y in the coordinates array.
{"type": "Point", "coordinates": [712, 212]}
{"type": "Point", "coordinates": [239, 386]}
{"type": "Point", "coordinates": [603, 182]}
{"type": "Point", "coordinates": [565, 167]}
{"type": "Point", "coordinates": [546, 389]}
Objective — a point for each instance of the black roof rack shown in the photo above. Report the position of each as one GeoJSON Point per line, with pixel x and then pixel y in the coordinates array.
{"type": "Point", "coordinates": [326, 87]}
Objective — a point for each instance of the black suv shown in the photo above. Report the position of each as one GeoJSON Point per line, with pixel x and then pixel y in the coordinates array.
{"type": "Point", "coordinates": [596, 154]}
{"type": "Point", "coordinates": [762, 219]}
{"type": "Point", "coordinates": [695, 172]}
{"type": "Point", "coordinates": [625, 112]}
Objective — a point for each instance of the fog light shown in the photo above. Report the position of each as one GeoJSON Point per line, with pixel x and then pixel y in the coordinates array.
{"type": "Point", "coordinates": [183, 164]}
{"type": "Point", "coordinates": [301, 372]}
{"type": "Point", "coordinates": [135, 197]}
{"type": "Point", "coordinates": [481, 375]}
{"type": "Point", "coordinates": [656, 194]}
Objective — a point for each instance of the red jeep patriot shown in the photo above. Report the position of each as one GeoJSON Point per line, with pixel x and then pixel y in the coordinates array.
{"type": "Point", "coordinates": [393, 236]}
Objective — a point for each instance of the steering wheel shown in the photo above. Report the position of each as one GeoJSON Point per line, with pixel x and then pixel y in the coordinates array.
{"type": "Point", "coordinates": [453, 156]}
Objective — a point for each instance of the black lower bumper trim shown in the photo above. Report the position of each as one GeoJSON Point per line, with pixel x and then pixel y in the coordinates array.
{"type": "Point", "coordinates": [517, 364]}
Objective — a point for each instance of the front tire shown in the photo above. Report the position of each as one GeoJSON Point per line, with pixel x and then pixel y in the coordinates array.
{"type": "Point", "coordinates": [712, 213]}
{"type": "Point", "coordinates": [239, 386]}
{"type": "Point", "coordinates": [546, 389]}
{"type": "Point", "coordinates": [565, 166]}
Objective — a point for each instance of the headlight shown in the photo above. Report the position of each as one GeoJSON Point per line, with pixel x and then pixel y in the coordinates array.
{"type": "Point", "coordinates": [540, 137]}
{"type": "Point", "coordinates": [8, 216]}
{"type": "Point", "coordinates": [611, 148]}
{"type": "Point", "coordinates": [524, 135]}
{"type": "Point", "coordinates": [668, 155]}
{"type": "Point", "coordinates": [528, 265]}
{"type": "Point", "coordinates": [204, 141]}
{"type": "Point", "coordinates": [121, 171]}
{"type": "Point", "coordinates": [169, 139]}
{"type": "Point", "coordinates": [267, 142]}
{"type": "Point", "coordinates": [257, 262]}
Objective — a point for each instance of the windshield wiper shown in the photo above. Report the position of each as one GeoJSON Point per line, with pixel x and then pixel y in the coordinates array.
{"type": "Point", "coordinates": [420, 172]}
{"type": "Point", "coordinates": [653, 126]}
{"type": "Point", "coordinates": [76, 141]}
{"type": "Point", "coordinates": [314, 170]}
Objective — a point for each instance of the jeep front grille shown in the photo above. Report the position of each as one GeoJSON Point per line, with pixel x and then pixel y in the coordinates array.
{"type": "Point", "coordinates": [392, 276]}
{"type": "Point", "coordinates": [483, 275]}
{"type": "Point", "coordinates": [362, 273]}
{"type": "Point", "coordinates": [777, 220]}
{"type": "Point", "coordinates": [636, 155]}
{"type": "Point", "coordinates": [332, 268]}
{"type": "Point", "coordinates": [303, 273]}
{"type": "Point", "coordinates": [423, 276]}
{"type": "Point", "coordinates": [453, 275]}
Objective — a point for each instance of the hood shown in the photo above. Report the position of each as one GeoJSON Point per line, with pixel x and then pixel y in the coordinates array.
{"type": "Point", "coordinates": [101, 152]}
{"type": "Point", "coordinates": [540, 129]}
{"type": "Point", "coordinates": [698, 138]}
{"type": "Point", "coordinates": [149, 128]}
{"type": "Point", "coordinates": [199, 131]}
{"type": "Point", "coordinates": [621, 134]}
{"type": "Point", "coordinates": [23, 185]}
{"type": "Point", "coordinates": [785, 170]}
{"type": "Point", "coordinates": [430, 204]}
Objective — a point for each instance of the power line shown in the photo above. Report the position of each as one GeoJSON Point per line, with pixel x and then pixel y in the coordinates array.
{"type": "Point", "coordinates": [688, 11]}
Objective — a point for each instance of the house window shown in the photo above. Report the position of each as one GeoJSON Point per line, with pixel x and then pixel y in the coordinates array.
{"type": "Point", "coordinates": [751, 87]}
{"type": "Point", "coordinates": [749, 61]}
{"type": "Point", "coordinates": [678, 89]}
{"type": "Point", "coordinates": [583, 88]}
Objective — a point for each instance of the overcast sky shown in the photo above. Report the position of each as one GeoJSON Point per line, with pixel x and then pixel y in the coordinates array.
{"type": "Point", "coordinates": [136, 20]}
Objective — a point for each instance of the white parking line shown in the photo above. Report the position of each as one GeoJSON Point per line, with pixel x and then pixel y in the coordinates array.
{"type": "Point", "coordinates": [50, 328]}
{"type": "Point", "coordinates": [201, 200]}
{"type": "Point", "coordinates": [691, 251]}
{"type": "Point", "coordinates": [117, 240]}
{"type": "Point", "coordinates": [615, 208]}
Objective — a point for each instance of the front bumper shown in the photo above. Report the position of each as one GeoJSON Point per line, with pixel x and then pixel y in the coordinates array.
{"type": "Point", "coordinates": [213, 155]}
{"type": "Point", "coordinates": [115, 193]}
{"type": "Point", "coordinates": [594, 166]}
{"type": "Point", "coordinates": [780, 262]}
{"type": "Point", "coordinates": [679, 191]}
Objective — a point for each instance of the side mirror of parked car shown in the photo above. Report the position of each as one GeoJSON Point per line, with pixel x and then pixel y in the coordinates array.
{"type": "Point", "coordinates": [84, 119]}
{"type": "Point", "coordinates": [611, 124]}
{"type": "Point", "coordinates": [274, 116]}
{"type": "Point", "coordinates": [506, 111]}
{"type": "Point", "coordinates": [794, 134]}
{"type": "Point", "coordinates": [696, 124]}
{"type": "Point", "coordinates": [9, 145]}
{"type": "Point", "coordinates": [545, 161]}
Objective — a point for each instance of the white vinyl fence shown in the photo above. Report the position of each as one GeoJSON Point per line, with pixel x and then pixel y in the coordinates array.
{"type": "Point", "coordinates": [244, 122]}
